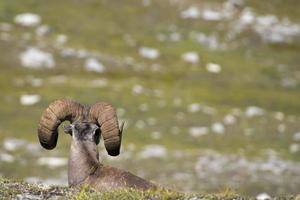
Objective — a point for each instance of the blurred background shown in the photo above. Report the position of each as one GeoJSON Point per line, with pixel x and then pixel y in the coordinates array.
{"type": "Point", "coordinates": [209, 89]}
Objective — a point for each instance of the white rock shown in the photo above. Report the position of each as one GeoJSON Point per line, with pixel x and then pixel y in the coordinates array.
{"type": "Point", "coordinates": [149, 53]}
{"type": "Point", "coordinates": [42, 30]}
{"type": "Point", "coordinates": [296, 136]}
{"type": "Point", "coordinates": [12, 144]}
{"type": "Point", "coordinates": [35, 58]}
{"type": "Point", "coordinates": [213, 68]}
{"type": "Point", "coordinates": [229, 119]}
{"type": "Point", "coordinates": [140, 124]}
{"type": "Point", "coordinates": [191, 57]}
{"type": "Point", "coordinates": [61, 39]}
{"type": "Point", "coordinates": [210, 41]}
{"type": "Point", "coordinates": [218, 128]}
{"type": "Point", "coordinates": [194, 107]}
{"type": "Point", "coordinates": [190, 13]}
{"type": "Point", "coordinates": [36, 82]}
{"type": "Point", "coordinates": [279, 116]}
{"type": "Point", "coordinates": [198, 131]}
{"type": "Point", "coordinates": [52, 161]}
{"type": "Point", "coordinates": [137, 89]}
{"type": "Point", "coordinates": [175, 37]}
{"type": "Point", "coordinates": [294, 148]}
{"type": "Point", "coordinates": [92, 64]}
{"type": "Point", "coordinates": [253, 111]}
{"type": "Point", "coordinates": [153, 151]}
{"type": "Point", "coordinates": [6, 157]}
{"type": "Point", "coordinates": [212, 15]}
{"type": "Point", "coordinates": [247, 16]}
{"type": "Point", "coordinates": [263, 196]}
{"type": "Point", "coordinates": [27, 19]}
{"type": "Point", "coordinates": [28, 100]}
{"type": "Point", "coordinates": [281, 128]}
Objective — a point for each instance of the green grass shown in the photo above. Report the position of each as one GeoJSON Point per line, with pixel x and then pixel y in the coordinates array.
{"type": "Point", "coordinates": [250, 76]}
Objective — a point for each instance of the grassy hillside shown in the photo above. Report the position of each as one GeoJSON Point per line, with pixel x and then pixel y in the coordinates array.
{"type": "Point", "coordinates": [218, 88]}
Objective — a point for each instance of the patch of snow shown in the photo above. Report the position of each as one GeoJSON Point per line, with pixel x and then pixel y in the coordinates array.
{"type": "Point", "coordinates": [52, 162]}
{"type": "Point", "coordinates": [213, 68]}
{"type": "Point", "coordinates": [263, 196]}
{"type": "Point", "coordinates": [253, 111]}
{"type": "Point", "coordinates": [29, 99]}
{"type": "Point", "coordinates": [27, 19]}
{"type": "Point", "coordinates": [191, 57]}
{"type": "Point", "coordinates": [149, 53]}
{"type": "Point", "coordinates": [198, 131]}
{"type": "Point", "coordinates": [218, 128]}
{"type": "Point", "coordinates": [190, 13]}
{"type": "Point", "coordinates": [35, 58]}
{"type": "Point", "coordinates": [153, 151]}
{"type": "Point", "coordinates": [93, 65]}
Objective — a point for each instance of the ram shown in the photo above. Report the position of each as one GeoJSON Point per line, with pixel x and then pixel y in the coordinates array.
{"type": "Point", "coordinates": [87, 124]}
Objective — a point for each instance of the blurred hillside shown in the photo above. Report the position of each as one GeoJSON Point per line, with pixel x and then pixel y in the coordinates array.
{"type": "Point", "coordinates": [209, 90]}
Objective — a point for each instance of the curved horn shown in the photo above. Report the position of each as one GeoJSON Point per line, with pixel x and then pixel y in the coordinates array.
{"type": "Point", "coordinates": [57, 112]}
{"type": "Point", "coordinates": [105, 115]}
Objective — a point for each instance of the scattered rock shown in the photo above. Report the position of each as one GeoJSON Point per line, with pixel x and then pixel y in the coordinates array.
{"type": "Point", "coordinates": [213, 68]}
{"type": "Point", "coordinates": [52, 162]}
{"type": "Point", "coordinates": [253, 111]}
{"type": "Point", "coordinates": [198, 131]}
{"type": "Point", "coordinates": [27, 19]}
{"type": "Point", "coordinates": [218, 128]}
{"type": "Point", "coordinates": [191, 57]}
{"type": "Point", "coordinates": [190, 13]}
{"type": "Point", "coordinates": [153, 151]}
{"type": "Point", "coordinates": [28, 100]}
{"type": "Point", "coordinates": [263, 196]}
{"type": "Point", "coordinates": [35, 58]}
{"type": "Point", "coordinates": [149, 53]}
{"type": "Point", "coordinates": [92, 64]}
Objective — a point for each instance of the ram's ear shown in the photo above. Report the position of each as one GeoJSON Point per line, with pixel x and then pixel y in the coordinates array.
{"type": "Point", "coordinates": [68, 129]}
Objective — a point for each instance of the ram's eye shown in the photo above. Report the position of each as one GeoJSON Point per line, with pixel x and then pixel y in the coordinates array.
{"type": "Point", "coordinates": [97, 136]}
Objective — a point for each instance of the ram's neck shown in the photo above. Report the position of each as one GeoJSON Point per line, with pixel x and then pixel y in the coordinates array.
{"type": "Point", "coordinates": [83, 161]}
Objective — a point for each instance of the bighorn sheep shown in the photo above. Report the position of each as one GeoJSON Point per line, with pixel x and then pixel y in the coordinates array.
{"type": "Point", "coordinates": [87, 125]}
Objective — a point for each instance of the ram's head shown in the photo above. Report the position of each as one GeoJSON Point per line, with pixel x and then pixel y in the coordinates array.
{"type": "Point", "coordinates": [101, 114]}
